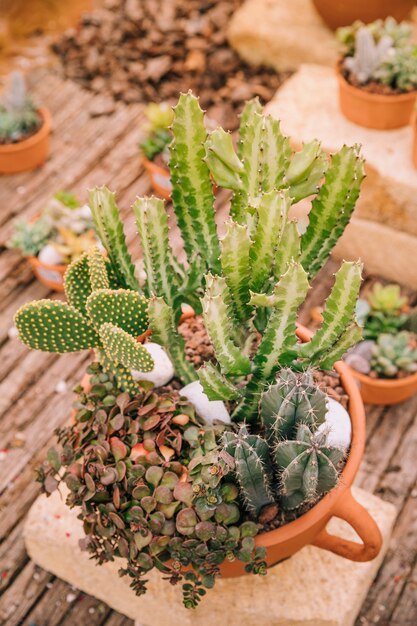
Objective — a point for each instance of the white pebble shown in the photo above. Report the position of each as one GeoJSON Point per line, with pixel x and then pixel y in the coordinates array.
{"type": "Point", "coordinates": [12, 332]}
{"type": "Point", "coordinates": [61, 387]}
{"type": "Point", "coordinates": [337, 426]}
{"type": "Point", "coordinates": [163, 369]}
{"type": "Point", "coordinates": [209, 410]}
{"type": "Point", "coordinates": [50, 256]}
{"type": "Point", "coordinates": [71, 597]}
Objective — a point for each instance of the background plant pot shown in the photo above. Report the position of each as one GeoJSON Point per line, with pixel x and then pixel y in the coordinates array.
{"type": "Point", "coordinates": [385, 391]}
{"type": "Point", "coordinates": [414, 145]}
{"type": "Point", "coordinates": [310, 527]}
{"type": "Point", "coordinates": [375, 110]}
{"type": "Point", "coordinates": [52, 276]}
{"type": "Point", "coordinates": [159, 178]}
{"type": "Point", "coordinates": [30, 153]}
{"type": "Point", "coordinates": [343, 12]}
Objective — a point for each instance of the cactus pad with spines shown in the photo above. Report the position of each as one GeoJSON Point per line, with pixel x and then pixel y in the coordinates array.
{"type": "Point", "coordinates": [123, 348]}
{"type": "Point", "coordinates": [122, 307]}
{"type": "Point", "coordinates": [54, 326]}
{"type": "Point", "coordinates": [97, 269]}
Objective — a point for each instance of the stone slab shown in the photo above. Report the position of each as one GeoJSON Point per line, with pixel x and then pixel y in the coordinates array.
{"type": "Point", "coordinates": [307, 105]}
{"type": "Point", "coordinates": [314, 587]}
{"type": "Point", "coordinates": [284, 34]}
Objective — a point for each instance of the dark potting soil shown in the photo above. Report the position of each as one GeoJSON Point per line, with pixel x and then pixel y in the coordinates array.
{"type": "Point", "coordinates": [151, 50]}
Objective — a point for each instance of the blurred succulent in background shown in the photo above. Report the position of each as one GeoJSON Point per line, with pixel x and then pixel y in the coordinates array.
{"type": "Point", "coordinates": [30, 237]}
{"type": "Point", "coordinates": [160, 117]}
{"type": "Point", "coordinates": [18, 115]}
{"type": "Point", "coordinates": [395, 355]}
{"type": "Point", "coordinates": [383, 311]}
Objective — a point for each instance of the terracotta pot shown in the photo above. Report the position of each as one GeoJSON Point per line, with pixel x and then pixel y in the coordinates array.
{"type": "Point", "coordinates": [414, 148]}
{"type": "Point", "coordinates": [30, 153]}
{"type": "Point", "coordinates": [337, 13]}
{"type": "Point", "coordinates": [310, 528]}
{"type": "Point", "coordinates": [372, 110]}
{"type": "Point", "coordinates": [52, 276]}
{"type": "Point", "coordinates": [385, 391]}
{"type": "Point", "coordinates": [159, 178]}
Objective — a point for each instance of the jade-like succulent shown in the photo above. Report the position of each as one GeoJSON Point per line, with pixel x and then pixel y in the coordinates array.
{"type": "Point", "coordinates": [149, 486]}
{"type": "Point", "coordinates": [291, 466]}
{"type": "Point", "coordinates": [386, 299]}
{"type": "Point", "coordinates": [18, 115]}
{"type": "Point", "coordinates": [393, 355]}
{"type": "Point", "coordinates": [96, 316]}
{"type": "Point", "coordinates": [383, 311]}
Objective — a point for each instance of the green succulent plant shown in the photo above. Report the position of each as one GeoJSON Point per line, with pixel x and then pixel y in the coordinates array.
{"type": "Point", "coordinates": [383, 311]}
{"type": "Point", "coordinates": [292, 466]}
{"type": "Point", "coordinates": [393, 355]}
{"type": "Point", "coordinates": [18, 115]}
{"type": "Point", "coordinates": [30, 238]}
{"type": "Point", "coordinates": [160, 117]}
{"type": "Point", "coordinates": [150, 487]}
{"type": "Point", "coordinates": [399, 71]}
{"type": "Point", "coordinates": [98, 315]}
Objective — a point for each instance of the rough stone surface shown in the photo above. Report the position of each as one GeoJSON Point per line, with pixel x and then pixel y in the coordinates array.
{"type": "Point", "coordinates": [308, 108]}
{"type": "Point", "coordinates": [314, 587]}
{"type": "Point", "coordinates": [281, 34]}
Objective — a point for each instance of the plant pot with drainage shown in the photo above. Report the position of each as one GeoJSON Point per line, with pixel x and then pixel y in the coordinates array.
{"type": "Point", "coordinates": [221, 441]}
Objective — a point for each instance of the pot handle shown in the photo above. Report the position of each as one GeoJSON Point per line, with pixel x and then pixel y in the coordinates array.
{"type": "Point", "coordinates": [361, 521]}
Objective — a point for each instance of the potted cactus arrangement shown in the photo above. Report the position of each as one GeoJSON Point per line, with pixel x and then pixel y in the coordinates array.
{"type": "Point", "coordinates": [154, 147]}
{"type": "Point", "coordinates": [60, 234]}
{"type": "Point", "coordinates": [385, 363]}
{"type": "Point", "coordinates": [378, 74]}
{"type": "Point", "coordinates": [24, 129]}
{"type": "Point", "coordinates": [212, 435]}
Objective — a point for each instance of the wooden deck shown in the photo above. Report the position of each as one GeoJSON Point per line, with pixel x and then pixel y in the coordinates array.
{"type": "Point", "coordinates": [86, 152]}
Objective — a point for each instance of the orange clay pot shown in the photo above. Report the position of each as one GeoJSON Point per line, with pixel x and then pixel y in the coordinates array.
{"type": "Point", "coordinates": [373, 110]}
{"type": "Point", "coordinates": [159, 178]}
{"type": "Point", "coordinates": [414, 149]}
{"type": "Point", "coordinates": [337, 13]}
{"type": "Point", "coordinates": [310, 528]}
{"type": "Point", "coordinates": [29, 153]}
{"type": "Point", "coordinates": [52, 276]}
{"type": "Point", "coordinates": [385, 391]}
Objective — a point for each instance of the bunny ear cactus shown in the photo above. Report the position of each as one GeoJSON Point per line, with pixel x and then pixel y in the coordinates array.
{"type": "Point", "coordinates": [96, 316]}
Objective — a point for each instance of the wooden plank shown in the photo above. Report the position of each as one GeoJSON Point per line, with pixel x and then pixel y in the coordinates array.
{"type": "Point", "coordinates": [54, 605]}
{"type": "Point", "coordinates": [22, 594]}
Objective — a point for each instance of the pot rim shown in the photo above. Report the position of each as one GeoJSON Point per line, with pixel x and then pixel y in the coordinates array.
{"type": "Point", "coordinates": [374, 97]}
{"type": "Point", "coordinates": [387, 383]}
{"type": "Point", "coordinates": [37, 137]}
{"type": "Point", "coordinates": [151, 165]}
{"type": "Point", "coordinates": [54, 268]}
{"type": "Point", "coordinates": [323, 509]}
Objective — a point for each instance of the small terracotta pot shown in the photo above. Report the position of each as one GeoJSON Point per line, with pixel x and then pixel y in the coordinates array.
{"type": "Point", "coordinates": [310, 528]}
{"type": "Point", "coordinates": [52, 276]}
{"type": "Point", "coordinates": [373, 110]}
{"type": "Point", "coordinates": [385, 391]}
{"type": "Point", "coordinates": [159, 178]}
{"type": "Point", "coordinates": [414, 145]}
{"type": "Point", "coordinates": [29, 153]}
{"type": "Point", "coordinates": [337, 13]}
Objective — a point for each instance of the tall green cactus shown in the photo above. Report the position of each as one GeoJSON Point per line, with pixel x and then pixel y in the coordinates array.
{"type": "Point", "coordinates": [95, 317]}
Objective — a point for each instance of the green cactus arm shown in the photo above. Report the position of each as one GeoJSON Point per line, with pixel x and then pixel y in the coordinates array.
{"type": "Point", "coordinates": [279, 340]}
{"type": "Point", "coordinates": [161, 320]}
{"type": "Point", "coordinates": [122, 348]}
{"type": "Point", "coordinates": [215, 385]}
{"type": "Point", "coordinates": [332, 208]}
{"type": "Point", "coordinates": [310, 184]}
{"type": "Point", "coordinates": [235, 264]}
{"type": "Point", "coordinates": [53, 326]}
{"type": "Point", "coordinates": [124, 378]}
{"type": "Point", "coordinates": [272, 212]}
{"type": "Point", "coordinates": [339, 310]}
{"type": "Point", "coordinates": [97, 269]}
{"type": "Point", "coordinates": [350, 337]}
{"type": "Point", "coordinates": [109, 228]}
{"type": "Point", "coordinates": [222, 160]}
{"type": "Point", "coordinates": [152, 225]}
{"type": "Point", "coordinates": [124, 308]}
{"type": "Point", "coordinates": [328, 475]}
{"type": "Point", "coordinates": [77, 284]}
{"type": "Point", "coordinates": [218, 321]}
{"type": "Point", "coordinates": [192, 189]}
{"type": "Point", "coordinates": [249, 151]}
{"type": "Point", "coordinates": [276, 152]}
{"type": "Point", "coordinates": [301, 162]}
{"type": "Point", "coordinates": [288, 249]}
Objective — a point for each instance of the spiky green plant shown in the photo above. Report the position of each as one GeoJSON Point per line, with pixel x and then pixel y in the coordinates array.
{"type": "Point", "coordinates": [383, 311]}
{"type": "Point", "coordinates": [393, 355]}
{"type": "Point", "coordinates": [18, 115]}
{"type": "Point", "coordinates": [256, 277]}
{"type": "Point", "coordinates": [291, 466]}
{"type": "Point", "coordinates": [97, 315]}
